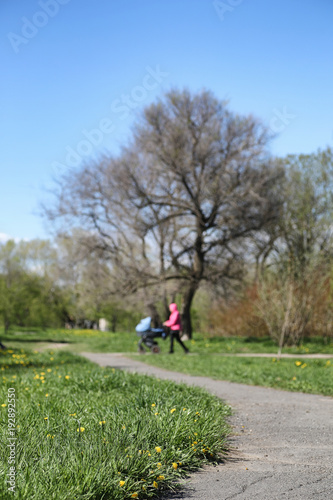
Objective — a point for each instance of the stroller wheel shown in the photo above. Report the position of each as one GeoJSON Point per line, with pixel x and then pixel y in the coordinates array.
{"type": "Point", "coordinates": [155, 349]}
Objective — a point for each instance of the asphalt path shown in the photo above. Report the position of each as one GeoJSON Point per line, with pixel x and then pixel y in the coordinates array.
{"type": "Point", "coordinates": [281, 447]}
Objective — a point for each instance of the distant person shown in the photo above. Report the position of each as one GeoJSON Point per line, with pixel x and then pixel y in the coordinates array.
{"type": "Point", "coordinates": [175, 325]}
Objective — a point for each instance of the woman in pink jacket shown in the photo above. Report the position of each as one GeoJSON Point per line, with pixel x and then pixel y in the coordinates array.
{"type": "Point", "coordinates": [175, 325]}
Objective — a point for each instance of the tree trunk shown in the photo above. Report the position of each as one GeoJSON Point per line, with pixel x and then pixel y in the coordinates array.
{"type": "Point", "coordinates": [186, 309]}
{"type": "Point", "coordinates": [155, 317]}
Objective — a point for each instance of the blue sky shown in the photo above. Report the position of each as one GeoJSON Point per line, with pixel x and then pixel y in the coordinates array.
{"type": "Point", "coordinates": [76, 73]}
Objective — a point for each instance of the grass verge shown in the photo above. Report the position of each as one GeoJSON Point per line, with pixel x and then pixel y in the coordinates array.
{"type": "Point", "coordinates": [96, 341]}
{"type": "Point", "coordinates": [98, 433]}
{"type": "Point", "coordinates": [310, 376]}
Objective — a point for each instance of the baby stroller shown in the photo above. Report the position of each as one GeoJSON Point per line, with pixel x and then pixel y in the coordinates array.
{"type": "Point", "coordinates": [148, 336]}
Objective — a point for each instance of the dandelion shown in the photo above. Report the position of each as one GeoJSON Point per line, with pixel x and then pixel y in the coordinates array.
{"type": "Point", "coordinates": [4, 405]}
{"type": "Point", "coordinates": [304, 365]}
{"type": "Point", "coordinates": [102, 422]}
{"type": "Point", "coordinates": [46, 395]}
{"type": "Point", "coordinates": [156, 413]}
{"type": "Point", "coordinates": [72, 414]}
{"type": "Point", "coordinates": [161, 478]}
{"type": "Point", "coordinates": [294, 378]}
{"type": "Point", "coordinates": [123, 427]}
{"type": "Point", "coordinates": [158, 449]}
{"type": "Point", "coordinates": [159, 465]}
{"type": "Point", "coordinates": [46, 418]}
{"type": "Point", "coordinates": [175, 465]}
{"type": "Point", "coordinates": [121, 483]}
{"type": "Point", "coordinates": [153, 404]}
{"type": "Point", "coordinates": [155, 484]}
{"type": "Point", "coordinates": [80, 429]}
{"type": "Point", "coordinates": [298, 363]}
{"type": "Point", "coordinates": [49, 370]}
{"type": "Point", "coordinates": [134, 495]}
{"type": "Point", "coordinates": [328, 363]}
{"type": "Point", "coordinates": [173, 410]}
{"type": "Point", "coordinates": [67, 377]}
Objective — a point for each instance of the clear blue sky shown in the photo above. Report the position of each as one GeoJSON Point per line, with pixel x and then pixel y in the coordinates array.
{"type": "Point", "coordinates": [68, 75]}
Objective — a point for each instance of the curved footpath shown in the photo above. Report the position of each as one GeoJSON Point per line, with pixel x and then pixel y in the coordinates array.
{"type": "Point", "coordinates": [281, 447]}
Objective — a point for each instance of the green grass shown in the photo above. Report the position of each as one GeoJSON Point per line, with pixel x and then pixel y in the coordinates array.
{"type": "Point", "coordinates": [96, 341]}
{"type": "Point", "coordinates": [92, 433]}
{"type": "Point", "coordinates": [310, 375]}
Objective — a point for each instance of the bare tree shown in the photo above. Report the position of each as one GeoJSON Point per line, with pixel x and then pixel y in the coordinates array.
{"type": "Point", "coordinates": [180, 202]}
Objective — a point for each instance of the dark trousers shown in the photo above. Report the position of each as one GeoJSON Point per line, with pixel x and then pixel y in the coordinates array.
{"type": "Point", "coordinates": [174, 334]}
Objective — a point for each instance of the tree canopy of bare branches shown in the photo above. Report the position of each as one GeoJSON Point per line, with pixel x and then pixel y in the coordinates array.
{"type": "Point", "coordinates": [180, 201]}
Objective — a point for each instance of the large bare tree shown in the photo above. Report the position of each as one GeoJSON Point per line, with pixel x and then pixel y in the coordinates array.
{"type": "Point", "coordinates": [180, 202]}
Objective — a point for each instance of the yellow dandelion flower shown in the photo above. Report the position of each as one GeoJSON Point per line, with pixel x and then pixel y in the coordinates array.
{"type": "Point", "coordinates": [123, 427]}
{"type": "Point", "coordinates": [328, 363]}
{"type": "Point", "coordinates": [304, 365]}
{"type": "Point", "coordinates": [80, 429]}
{"type": "Point", "coordinates": [42, 373]}
{"type": "Point", "coordinates": [156, 413]}
{"type": "Point", "coordinates": [298, 363]}
{"type": "Point", "coordinates": [161, 478]}
{"type": "Point", "coordinates": [159, 465]}
{"type": "Point", "coordinates": [155, 484]}
{"type": "Point", "coordinates": [158, 449]}
{"type": "Point", "coordinates": [175, 465]}
{"type": "Point", "coordinates": [134, 495]}
{"type": "Point", "coordinates": [195, 433]}
{"type": "Point", "coordinates": [67, 377]}
{"type": "Point", "coordinates": [173, 410]}
{"type": "Point", "coordinates": [102, 422]}
{"type": "Point", "coordinates": [51, 359]}
{"type": "Point", "coordinates": [121, 483]}
{"type": "Point", "coordinates": [153, 404]}
{"type": "Point", "coordinates": [46, 418]}
{"type": "Point", "coordinates": [184, 409]}
{"type": "Point", "coordinates": [49, 370]}
{"type": "Point", "coordinates": [4, 405]}
{"type": "Point", "coordinates": [72, 414]}
{"type": "Point", "coordinates": [294, 378]}
{"type": "Point", "coordinates": [46, 395]}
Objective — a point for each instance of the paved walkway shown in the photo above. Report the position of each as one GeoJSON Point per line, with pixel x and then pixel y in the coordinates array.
{"type": "Point", "coordinates": [281, 448]}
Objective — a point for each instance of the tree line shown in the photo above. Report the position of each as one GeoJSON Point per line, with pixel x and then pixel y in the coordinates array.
{"type": "Point", "coordinates": [195, 203]}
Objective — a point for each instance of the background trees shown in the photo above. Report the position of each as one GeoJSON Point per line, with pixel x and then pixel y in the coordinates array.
{"type": "Point", "coordinates": [180, 202]}
{"type": "Point", "coordinates": [194, 202]}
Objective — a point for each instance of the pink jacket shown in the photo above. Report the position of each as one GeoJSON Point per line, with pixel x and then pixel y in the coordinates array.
{"type": "Point", "coordinates": [174, 322]}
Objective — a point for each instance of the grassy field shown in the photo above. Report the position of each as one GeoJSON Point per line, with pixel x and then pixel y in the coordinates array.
{"type": "Point", "coordinates": [310, 375]}
{"type": "Point", "coordinates": [92, 433]}
{"type": "Point", "coordinates": [96, 341]}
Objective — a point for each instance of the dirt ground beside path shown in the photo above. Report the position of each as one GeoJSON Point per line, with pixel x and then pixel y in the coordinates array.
{"type": "Point", "coordinates": [281, 447]}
